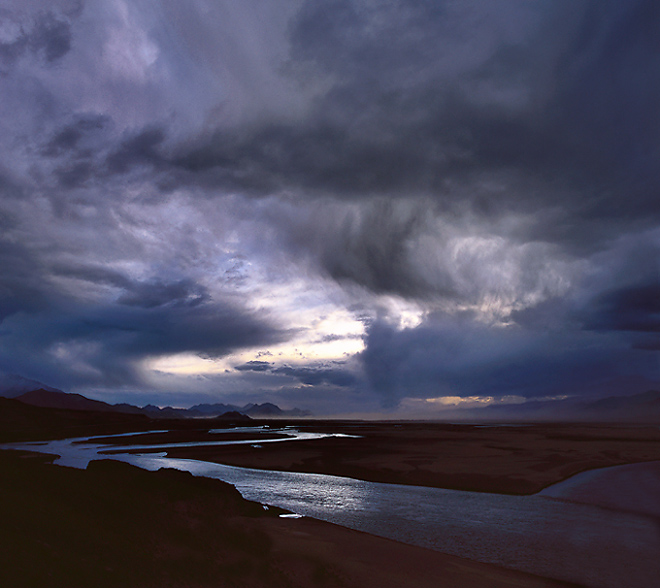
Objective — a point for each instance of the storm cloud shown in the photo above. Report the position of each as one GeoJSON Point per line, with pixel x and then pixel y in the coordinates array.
{"type": "Point", "coordinates": [330, 199]}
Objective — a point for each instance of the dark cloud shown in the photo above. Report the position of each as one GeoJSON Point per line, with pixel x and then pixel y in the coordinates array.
{"type": "Point", "coordinates": [311, 376]}
{"type": "Point", "coordinates": [69, 340]}
{"type": "Point", "coordinates": [104, 346]}
{"type": "Point", "coordinates": [546, 315]}
{"type": "Point", "coordinates": [634, 308]}
{"type": "Point", "coordinates": [153, 317]}
{"type": "Point", "coordinates": [10, 51]}
{"type": "Point", "coordinates": [308, 375]}
{"type": "Point", "coordinates": [75, 174]}
{"type": "Point", "coordinates": [51, 37]}
{"type": "Point", "coordinates": [9, 190]}
{"type": "Point", "coordinates": [94, 273]}
{"type": "Point", "coordinates": [254, 366]}
{"type": "Point", "coordinates": [454, 119]}
{"type": "Point", "coordinates": [180, 293]}
{"type": "Point", "coordinates": [137, 150]}
{"type": "Point", "coordinates": [74, 137]}
{"type": "Point", "coordinates": [539, 119]}
{"type": "Point", "coordinates": [488, 168]}
{"type": "Point", "coordinates": [88, 153]}
{"type": "Point", "coordinates": [554, 102]}
{"type": "Point", "coordinates": [333, 338]}
{"type": "Point", "coordinates": [77, 150]}
{"type": "Point", "coordinates": [48, 37]}
{"type": "Point", "coordinates": [382, 129]}
{"type": "Point", "coordinates": [647, 343]}
{"type": "Point", "coordinates": [143, 294]}
{"type": "Point", "coordinates": [211, 330]}
{"type": "Point", "coordinates": [22, 284]}
{"type": "Point", "coordinates": [374, 132]}
{"type": "Point", "coordinates": [358, 252]}
{"type": "Point", "coordinates": [454, 358]}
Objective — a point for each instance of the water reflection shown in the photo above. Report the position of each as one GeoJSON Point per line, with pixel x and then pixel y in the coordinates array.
{"type": "Point", "coordinates": [572, 542]}
{"type": "Point", "coordinates": [290, 435]}
{"type": "Point", "coordinates": [540, 534]}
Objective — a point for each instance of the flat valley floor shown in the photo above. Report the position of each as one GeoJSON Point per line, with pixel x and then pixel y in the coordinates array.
{"type": "Point", "coordinates": [116, 525]}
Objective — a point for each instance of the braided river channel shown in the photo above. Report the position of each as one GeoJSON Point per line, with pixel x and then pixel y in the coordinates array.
{"type": "Point", "coordinates": [599, 529]}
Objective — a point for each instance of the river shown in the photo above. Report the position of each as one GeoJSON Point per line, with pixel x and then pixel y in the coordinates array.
{"type": "Point", "coordinates": [559, 533]}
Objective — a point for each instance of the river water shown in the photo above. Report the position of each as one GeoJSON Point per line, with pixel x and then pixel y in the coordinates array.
{"type": "Point", "coordinates": [553, 533]}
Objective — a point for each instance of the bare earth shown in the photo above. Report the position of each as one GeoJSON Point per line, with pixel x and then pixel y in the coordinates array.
{"type": "Point", "coordinates": [116, 525]}
{"type": "Point", "coordinates": [501, 459]}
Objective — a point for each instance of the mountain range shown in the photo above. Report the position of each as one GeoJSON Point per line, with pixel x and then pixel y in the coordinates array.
{"type": "Point", "coordinates": [636, 408]}
{"type": "Point", "coordinates": [13, 385]}
{"type": "Point", "coordinates": [643, 407]}
{"type": "Point", "coordinates": [53, 398]}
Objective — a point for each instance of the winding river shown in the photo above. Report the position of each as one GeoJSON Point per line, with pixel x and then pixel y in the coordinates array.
{"type": "Point", "coordinates": [583, 530]}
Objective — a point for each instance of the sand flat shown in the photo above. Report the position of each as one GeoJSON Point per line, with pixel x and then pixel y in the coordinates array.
{"type": "Point", "coordinates": [510, 460]}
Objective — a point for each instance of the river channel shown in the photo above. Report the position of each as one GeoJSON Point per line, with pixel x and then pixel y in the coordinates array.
{"type": "Point", "coordinates": [604, 546]}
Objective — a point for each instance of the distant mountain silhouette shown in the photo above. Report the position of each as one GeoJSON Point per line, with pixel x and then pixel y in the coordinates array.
{"type": "Point", "coordinates": [643, 407]}
{"type": "Point", "coordinates": [52, 398]}
{"type": "Point", "coordinates": [232, 415]}
{"type": "Point", "coordinates": [13, 385]}
{"type": "Point", "coordinates": [213, 409]}
{"type": "Point", "coordinates": [168, 412]}
{"type": "Point", "coordinates": [266, 409]}
{"type": "Point", "coordinates": [20, 421]}
{"type": "Point", "coordinates": [58, 399]}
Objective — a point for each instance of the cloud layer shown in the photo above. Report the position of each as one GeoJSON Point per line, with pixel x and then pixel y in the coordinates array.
{"type": "Point", "coordinates": [468, 189]}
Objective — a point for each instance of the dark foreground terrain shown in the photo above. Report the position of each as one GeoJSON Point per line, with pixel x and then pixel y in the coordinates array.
{"type": "Point", "coordinates": [117, 525]}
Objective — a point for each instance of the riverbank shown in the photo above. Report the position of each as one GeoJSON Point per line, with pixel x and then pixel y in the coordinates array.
{"type": "Point", "coordinates": [116, 525]}
{"type": "Point", "coordinates": [492, 458]}
{"type": "Point", "coordinates": [511, 459]}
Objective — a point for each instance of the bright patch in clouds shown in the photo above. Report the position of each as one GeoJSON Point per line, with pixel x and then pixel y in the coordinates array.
{"type": "Point", "coordinates": [334, 337]}
{"type": "Point", "coordinates": [469, 401]}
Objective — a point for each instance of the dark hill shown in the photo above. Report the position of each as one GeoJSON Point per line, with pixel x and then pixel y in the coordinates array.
{"type": "Point", "coordinates": [23, 422]}
{"type": "Point", "coordinates": [643, 407]}
{"type": "Point", "coordinates": [13, 385]}
{"type": "Point", "coordinates": [233, 415]}
{"type": "Point", "coordinates": [52, 399]}
{"type": "Point", "coordinates": [636, 408]}
{"type": "Point", "coordinates": [266, 409]}
{"type": "Point", "coordinates": [214, 409]}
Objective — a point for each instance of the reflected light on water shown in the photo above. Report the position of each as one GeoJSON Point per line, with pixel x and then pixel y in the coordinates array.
{"type": "Point", "coordinates": [540, 534]}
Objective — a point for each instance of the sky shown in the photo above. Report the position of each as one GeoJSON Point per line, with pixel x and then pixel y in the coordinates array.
{"type": "Point", "coordinates": [347, 206]}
